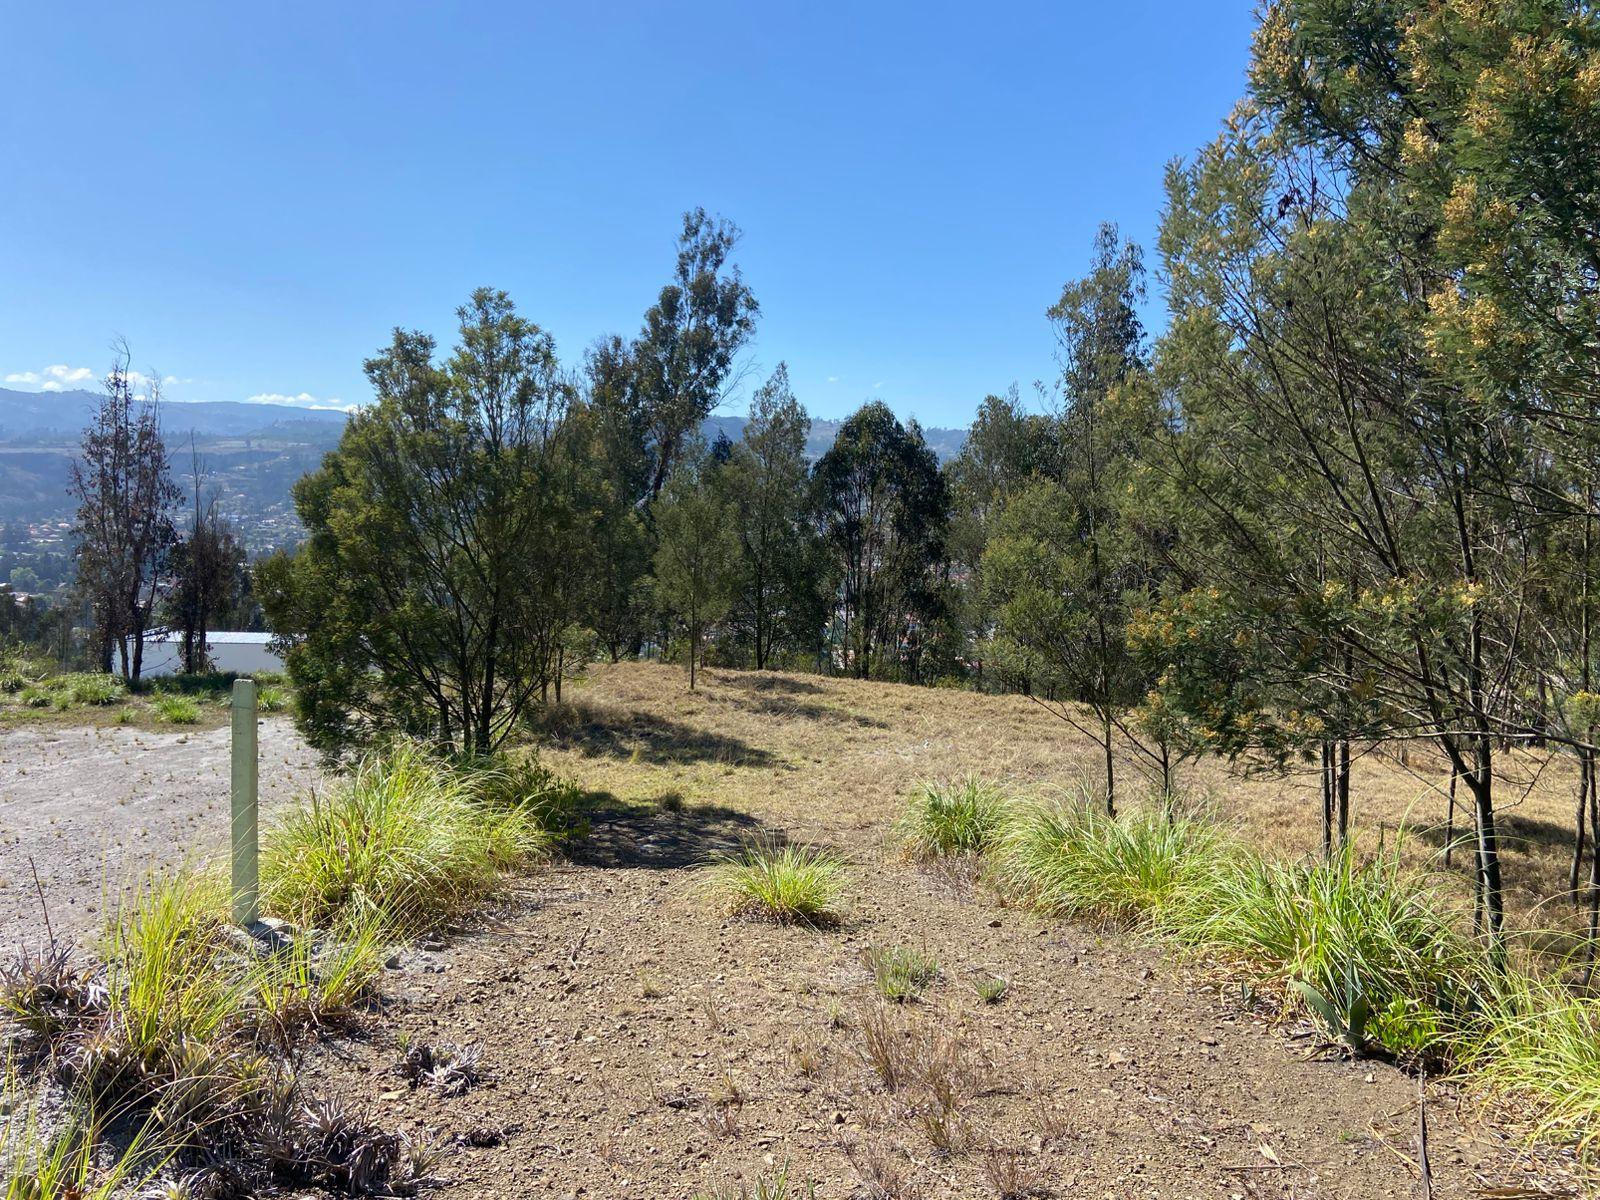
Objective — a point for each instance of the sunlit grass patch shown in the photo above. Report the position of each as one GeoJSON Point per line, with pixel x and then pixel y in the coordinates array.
{"type": "Point", "coordinates": [1074, 860]}
{"type": "Point", "coordinates": [176, 709]}
{"type": "Point", "coordinates": [404, 841]}
{"type": "Point", "coordinates": [785, 883]}
{"type": "Point", "coordinates": [957, 817]}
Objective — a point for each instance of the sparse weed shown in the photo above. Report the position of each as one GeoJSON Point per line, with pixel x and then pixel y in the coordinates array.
{"type": "Point", "coordinates": [901, 973]}
{"type": "Point", "coordinates": [990, 989]}
{"type": "Point", "coordinates": [780, 1185]}
{"type": "Point", "coordinates": [959, 817]}
{"type": "Point", "coordinates": [1012, 1175]}
{"type": "Point", "coordinates": [788, 884]}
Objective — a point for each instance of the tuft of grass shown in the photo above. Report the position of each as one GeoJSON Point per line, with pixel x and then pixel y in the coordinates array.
{"type": "Point", "coordinates": [402, 844]}
{"type": "Point", "coordinates": [901, 973]}
{"type": "Point", "coordinates": [1074, 860]}
{"type": "Point", "coordinates": [176, 709]}
{"type": "Point", "coordinates": [782, 1184]}
{"type": "Point", "coordinates": [272, 697]}
{"type": "Point", "coordinates": [960, 817]}
{"type": "Point", "coordinates": [506, 782]}
{"type": "Point", "coordinates": [788, 884]}
{"type": "Point", "coordinates": [991, 989]}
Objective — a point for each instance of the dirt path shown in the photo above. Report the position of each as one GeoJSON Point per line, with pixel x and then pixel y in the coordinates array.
{"type": "Point", "coordinates": [634, 1044]}
{"type": "Point", "coordinates": [95, 807]}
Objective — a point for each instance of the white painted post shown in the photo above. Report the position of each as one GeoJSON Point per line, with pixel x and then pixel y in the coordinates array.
{"type": "Point", "coordinates": [245, 779]}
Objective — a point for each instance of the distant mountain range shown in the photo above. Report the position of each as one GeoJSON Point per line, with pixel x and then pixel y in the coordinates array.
{"type": "Point", "coordinates": [253, 453]}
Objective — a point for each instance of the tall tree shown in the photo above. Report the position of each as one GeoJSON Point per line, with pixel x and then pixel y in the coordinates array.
{"type": "Point", "coordinates": [207, 568]}
{"type": "Point", "coordinates": [438, 577]}
{"type": "Point", "coordinates": [1062, 567]}
{"type": "Point", "coordinates": [124, 526]}
{"type": "Point", "coordinates": [697, 555]}
{"type": "Point", "coordinates": [884, 511]}
{"type": "Point", "coordinates": [683, 358]}
{"type": "Point", "coordinates": [767, 482]}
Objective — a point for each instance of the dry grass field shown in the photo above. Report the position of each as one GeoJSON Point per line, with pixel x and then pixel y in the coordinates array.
{"type": "Point", "coordinates": [822, 753]}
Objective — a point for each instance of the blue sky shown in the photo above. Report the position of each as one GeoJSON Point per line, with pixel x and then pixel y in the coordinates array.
{"type": "Point", "coordinates": [253, 195]}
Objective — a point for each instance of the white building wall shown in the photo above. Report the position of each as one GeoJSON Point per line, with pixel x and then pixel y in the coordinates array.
{"type": "Point", "coordinates": [164, 656]}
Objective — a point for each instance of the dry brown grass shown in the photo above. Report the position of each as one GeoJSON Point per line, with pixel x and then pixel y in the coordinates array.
{"type": "Point", "coordinates": [819, 756]}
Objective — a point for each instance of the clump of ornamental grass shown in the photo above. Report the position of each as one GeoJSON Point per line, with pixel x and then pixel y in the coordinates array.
{"type": "Point", "coordinates": [1074, 860]}
{"type": "Point", "coordinates": [1539, 1040]}
{"type": "Point", "coordinates": [781, 882]}
{"type": "Point", "coordinates": [45, 1160]}
{"type": "Point", "coordinates": [506, 781]}
{"type": "Point", "coordinates": [176, 709]}
{"type": "Point", "coordinates": [271, 697]}
{"type": "Point", "coordinates": [404, 841]}
{"type": "Point", "coordinates": [956, 817]}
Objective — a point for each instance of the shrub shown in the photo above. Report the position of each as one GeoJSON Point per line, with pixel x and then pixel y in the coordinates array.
{"type": "Point", "coordinates": [779, 882]}
{"type": "Point", "coordinates": [88, 688]}
{"type": "Point", "coordinates": [962, 817]}
{"type": "Point", "coordinates": [505, 782]}
{"type": "Point", "coordinates": [1355, 940]}
{"type": "Point", "coordinates": [176, 709]}
{"type": "Point", "coordinates": [17, 669]}
{"type": "Point", "coordinates": [403, 843]}
{"type": "Point", "coordinates": [1072, 860]}
{"type": "Point", "coordinates": [901, 973]}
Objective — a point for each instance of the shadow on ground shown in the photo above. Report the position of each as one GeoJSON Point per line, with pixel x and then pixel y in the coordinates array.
{"type": "Point", "coordinates": [665, 834]}
{"type": "Point", "coordinates": [620, 733]}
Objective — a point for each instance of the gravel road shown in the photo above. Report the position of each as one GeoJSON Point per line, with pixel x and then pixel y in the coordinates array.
{"type": "Point", "coordinates": [96, 808]}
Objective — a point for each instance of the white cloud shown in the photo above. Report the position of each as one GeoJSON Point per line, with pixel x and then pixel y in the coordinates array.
{"type": "Point", "coordinates": [302, 400]}
{"type": "Point", "coordinates": [877, 386]}
{"type": "Point", "coordinates": [53, 379]}
{"type": "Point", "coordinates": [833, 379]}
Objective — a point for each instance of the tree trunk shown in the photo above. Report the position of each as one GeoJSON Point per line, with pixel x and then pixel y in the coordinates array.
{"type": "Point", "coordinates": [1111, 771]}
{"type": "Point", "coordinates": [1480, 782]}
{"type": "Point", "coordinates": [1582, 816]}
{"type": "Point", "coordinates": [1327, 800]}
{"type": "Point", "coordinates": [1450, 822]}
{"type": "Point", "coordinates": [1344, 792]}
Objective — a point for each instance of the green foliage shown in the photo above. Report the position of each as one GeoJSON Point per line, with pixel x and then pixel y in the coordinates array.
{"type": "Point", "coordinates": [403, 843]}
{"type": "Point", "coordinates": [511, 781]}
{"type": "Point", "coordinates": [454, 508]}
{"type": "Point", "coordinates": [781, 1184]}
{"type": "Point", "coordinates": [957, 817]}
{"type": "Point", "coordinates": [779, 594]}
{"type": "Point", "coordinates": [901, 973]}
{"type": "Point", "coordinates": [779, 882]}
{"type": "Point", "coordinates": [18, 670]}
{"type": "Point", "coordinates": [176, 709]}
{"type": "Point", "coordinates": [1073, 859]}
{"type": "Point", "coordinates": [697, 553]}
{"type": "Point", "coordinates": [71, 690]}
{"type": "Point", "coordinates": [884, 508]}
{"type": "Point", "coordinates": [1347, 931]}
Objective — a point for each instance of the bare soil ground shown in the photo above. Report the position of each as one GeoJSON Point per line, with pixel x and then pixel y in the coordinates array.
{"type": "Point", "coordinates": [97, 806]}
{"type": "Point", "coordinates": [634, 1043]}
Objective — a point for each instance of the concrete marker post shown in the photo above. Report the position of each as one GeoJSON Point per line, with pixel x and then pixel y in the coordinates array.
{"type": "Point", "coordinates": [246, 777]}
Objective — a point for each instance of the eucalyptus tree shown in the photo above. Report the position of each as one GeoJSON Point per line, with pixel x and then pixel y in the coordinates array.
{"type": "Point", "coordinates": [1063, 569]}
{"type": "Point", "coordinates": [883, 507]}
{"type": "Point", "coordinates": [684, 357]}
{"type": "Point", "coordinates": [122, 482]}
{"type": "Point", "coordinates": [697, 558]}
